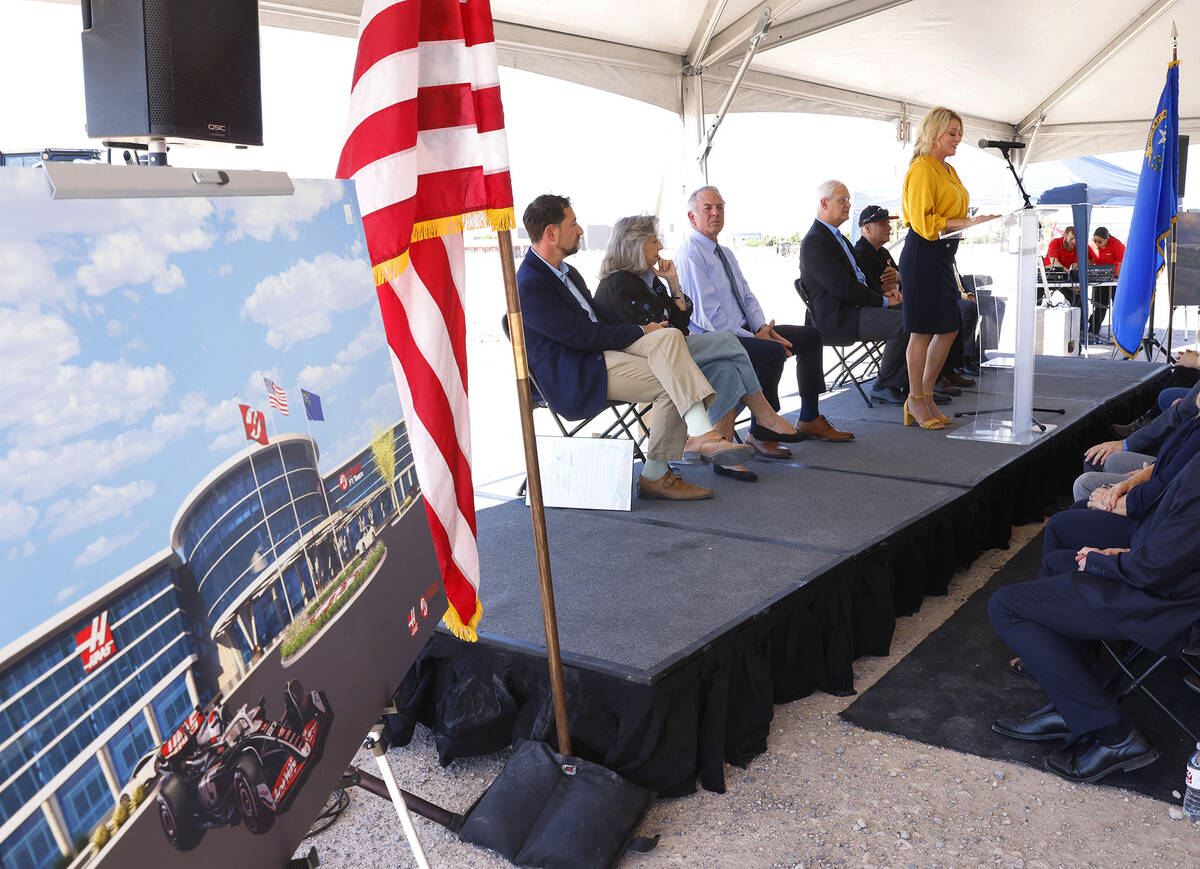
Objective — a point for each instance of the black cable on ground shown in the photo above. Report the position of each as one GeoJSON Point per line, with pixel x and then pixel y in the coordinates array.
{"type": "Point", "coordinates": [334, 806]}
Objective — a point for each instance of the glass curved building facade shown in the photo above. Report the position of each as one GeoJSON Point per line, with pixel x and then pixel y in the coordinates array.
{"type": "Point", "coordinates": [84, 696]}
{"type": "Point", "coordinates": [244, 518]}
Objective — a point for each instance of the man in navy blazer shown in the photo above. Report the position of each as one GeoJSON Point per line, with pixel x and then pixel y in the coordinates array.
{"type": "Point", "coordinates": [581, 362]}
{"type": "Point", "coordinates": [1148, 593]}
{"type": "Point", "coordinates": [848, 302]}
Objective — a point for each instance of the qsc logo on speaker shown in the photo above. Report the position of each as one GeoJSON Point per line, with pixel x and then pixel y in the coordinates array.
{"type": "Point", "coordinates": [219, 129]}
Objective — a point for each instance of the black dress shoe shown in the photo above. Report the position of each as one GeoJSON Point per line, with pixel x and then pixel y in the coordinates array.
{"type": "Point", "coordinates": [887, 395]}
{"type": "Point", "coordinates": [762, 433]}
{"type": "Point", "coordinates": [1192, 681]}
{"type": "Point", "coordinates": [744, 476]}
{"type": "Point", "coordinates": [1044, 725]}
{"type": "Point", "coordinates": [940, 397]}
{"type": "Point", "coordinates": [1087, 760]}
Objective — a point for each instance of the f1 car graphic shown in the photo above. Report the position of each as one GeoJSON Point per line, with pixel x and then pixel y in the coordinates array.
{"type": "Point", "coordinates": [216, 773]}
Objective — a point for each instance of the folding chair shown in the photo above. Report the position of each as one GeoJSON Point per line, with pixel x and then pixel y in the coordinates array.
{"type": "Point", "coordinates": [864, 355]}
{"type": "Point", "coordinates": [628, 420]}
{"type": "Point", "coordinates": [1137, 680]}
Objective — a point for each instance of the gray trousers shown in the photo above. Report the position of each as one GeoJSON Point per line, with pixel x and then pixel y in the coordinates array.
{"type": "Point", "coordinates": [887, 325]}
{"type": "Point", "coordinates": [723, 360]}
{"type": "Point", "coordinates": [1116, 468]}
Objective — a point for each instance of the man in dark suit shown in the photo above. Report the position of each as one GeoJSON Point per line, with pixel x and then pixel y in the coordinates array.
{"type": "Point", "coordinates": [580, 362]}
{"type": "Point", "coordinates": [1148, 593]}
{"type": "Point", "coordinates": [848, 303]}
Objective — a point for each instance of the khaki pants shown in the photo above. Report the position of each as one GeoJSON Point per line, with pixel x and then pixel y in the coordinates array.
{"type": "Point", "coordinates": [659, 369]}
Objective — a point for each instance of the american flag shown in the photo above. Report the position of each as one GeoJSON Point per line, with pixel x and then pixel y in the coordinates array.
{"type": "Point", "coordinates": [276, 397]}
{"type": "Point", "coordinates": [426, 147]}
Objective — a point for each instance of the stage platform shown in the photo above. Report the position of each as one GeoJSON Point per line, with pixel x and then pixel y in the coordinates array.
{"type": "Point", "coordinates": [682, 624]}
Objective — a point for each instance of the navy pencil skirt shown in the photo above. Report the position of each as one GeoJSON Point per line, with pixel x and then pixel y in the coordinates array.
{"type": "Point", "coordinates": [929, 286]}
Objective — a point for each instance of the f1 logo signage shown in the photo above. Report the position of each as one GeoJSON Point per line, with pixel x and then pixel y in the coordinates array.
{"type": "Point", "coordinates": [95, 644]}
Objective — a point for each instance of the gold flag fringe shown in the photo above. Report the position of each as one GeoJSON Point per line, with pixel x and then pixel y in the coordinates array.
{"type": "Point", "coordinates": [454, 624]}
{"type": "Point", "coordinates": [496, 219]}
{"type": "Point", "coordinates": [389, 270]}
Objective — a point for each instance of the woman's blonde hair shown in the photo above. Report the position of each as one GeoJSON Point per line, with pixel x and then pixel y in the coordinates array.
{"type": "Point", "coordinates": [935, 123]}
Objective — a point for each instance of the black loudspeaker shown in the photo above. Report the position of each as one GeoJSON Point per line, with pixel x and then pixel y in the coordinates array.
{"type": "Point", "coordinates": [172, 69]}
{"type": "Point", "coordinates": [1182, 177]}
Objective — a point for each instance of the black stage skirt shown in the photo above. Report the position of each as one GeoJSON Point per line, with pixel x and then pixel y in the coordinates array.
{"type": "Point", "coordinates": [929, 286]}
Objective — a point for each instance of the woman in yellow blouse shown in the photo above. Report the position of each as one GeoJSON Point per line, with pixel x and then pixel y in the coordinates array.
{"type": "Point", "coordinates": [934, 202]}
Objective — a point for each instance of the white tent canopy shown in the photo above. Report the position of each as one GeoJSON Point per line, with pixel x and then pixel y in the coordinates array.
{"type": "Point", "coordinates": [1073, 77]}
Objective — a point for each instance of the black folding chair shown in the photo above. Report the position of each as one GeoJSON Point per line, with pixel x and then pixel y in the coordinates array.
{"type": "Point", "coordinates": [1128, 660]}
{"type": "Point", "coordinates": [856, 362]}
{"type": "Point", "coordinates": [628, 420]}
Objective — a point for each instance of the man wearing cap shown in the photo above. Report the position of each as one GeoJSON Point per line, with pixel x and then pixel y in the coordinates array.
{"type": "Point", "coordinates": [851, 300]}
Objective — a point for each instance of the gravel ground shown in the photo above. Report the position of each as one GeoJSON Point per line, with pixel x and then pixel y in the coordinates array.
{"type": "Point", "coordinates": [826, 793]}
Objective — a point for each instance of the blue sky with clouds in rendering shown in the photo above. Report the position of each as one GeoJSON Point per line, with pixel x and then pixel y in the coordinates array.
{"type": "Point", "coordinates": [126, 328]}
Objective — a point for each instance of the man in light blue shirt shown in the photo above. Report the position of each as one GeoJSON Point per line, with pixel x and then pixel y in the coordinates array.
{"type": "Point", "coordinates": [722, 300]}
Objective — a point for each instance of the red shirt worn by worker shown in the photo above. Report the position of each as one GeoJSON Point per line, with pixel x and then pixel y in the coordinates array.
{"type": "Point", "coordinates": [1059, 252]}
{"type": "Point", "coordinates": [1111, 254]}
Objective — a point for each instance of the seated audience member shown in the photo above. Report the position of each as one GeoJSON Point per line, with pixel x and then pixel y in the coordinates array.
{"type": "Point", "coordinates": [1147, 592]}
{"type": "Point", "coordinates": [1062, 253]}
{"type": "Point", "coordinates": [850, 299]}
{"type": "Point", "coordinates": [632, 290]}
{"type": "Point", "coordinates": [1112, 509]}
{"type": "Point", "coordinates": [1105, 249]}
{"type": "Point", "coordinates": [1105, 463]}
{"type": "Point", "coordinates": [723, 302]}
{"type": "Point", "coordinates": [1185, 373]}
{"type": "Point", "coordinates": [580, 363]}
{"type": "Point", "coordinates": [879, 266]}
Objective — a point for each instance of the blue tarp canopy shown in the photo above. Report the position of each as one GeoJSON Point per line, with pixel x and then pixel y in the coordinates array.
{"type": "Point", "coordinates": [1099, 183]}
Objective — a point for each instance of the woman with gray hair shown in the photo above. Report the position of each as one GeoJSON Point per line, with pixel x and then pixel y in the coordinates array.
{"type": "Point", "coordinates": [637, 286]}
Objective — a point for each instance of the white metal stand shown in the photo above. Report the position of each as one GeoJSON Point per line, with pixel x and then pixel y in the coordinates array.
{"type": "Point", "coordinates": [377, 742]}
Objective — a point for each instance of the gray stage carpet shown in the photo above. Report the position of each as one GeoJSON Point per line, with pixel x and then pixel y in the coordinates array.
{"type": "Point", "coordinates": [639, 592]}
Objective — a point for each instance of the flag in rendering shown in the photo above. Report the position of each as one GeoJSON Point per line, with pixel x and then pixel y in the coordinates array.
{"type": "Point", "coordinates": [425, 145]}
{"type": "Point", "coordinates": [255, 423]}
{"type": "Point", "coordinates": [276, 397]}
{"type": "Point", "coordinates": [1153, 216]}
{"type": "Point", "coordinates": [312, 405]}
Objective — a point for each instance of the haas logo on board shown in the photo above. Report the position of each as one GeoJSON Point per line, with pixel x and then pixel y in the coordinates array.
{"type": "Point", "coordinates": [95, 644]}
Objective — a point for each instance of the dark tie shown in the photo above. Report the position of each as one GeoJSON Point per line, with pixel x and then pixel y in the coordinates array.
{"type": "Point", "coordinates": [733, 286]}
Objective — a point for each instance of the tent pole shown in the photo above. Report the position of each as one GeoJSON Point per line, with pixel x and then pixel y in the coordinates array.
{"type": "Point", "coordinates": [540, 540]}
{"type": "Point", "coordinates": [760, 29]}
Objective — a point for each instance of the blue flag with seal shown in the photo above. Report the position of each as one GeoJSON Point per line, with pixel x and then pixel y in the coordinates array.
{"type": "Point", "coordinates": [1153, 216]}
{"type": "Point", "coordinates": [312, 405]}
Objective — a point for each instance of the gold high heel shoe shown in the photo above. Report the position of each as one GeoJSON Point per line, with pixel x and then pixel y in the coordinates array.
{"type": "Point", "coordinates": [945, 420]}
{"type": "Point", "coordinates": [910, 418]}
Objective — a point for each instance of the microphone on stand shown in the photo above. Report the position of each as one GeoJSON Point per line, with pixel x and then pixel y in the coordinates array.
{"type": "Point", "coordinates": [1003, 146]}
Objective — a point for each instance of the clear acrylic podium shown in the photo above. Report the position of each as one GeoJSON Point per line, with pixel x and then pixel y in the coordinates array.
{"type": "Point", "coordinates": [1006, 251]}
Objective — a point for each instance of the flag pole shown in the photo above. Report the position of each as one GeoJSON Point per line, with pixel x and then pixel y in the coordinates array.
{"type": "Point", "coordinates": [1171, 245]}
{"type": "Point", "coordinates": [321, 482]}
{"type": "Point", "coordinates": [270, 538]}
{"type": "Point", "coordinates": [540, 540]}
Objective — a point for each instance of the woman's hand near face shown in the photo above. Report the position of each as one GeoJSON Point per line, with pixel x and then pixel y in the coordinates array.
{"type": "Point", "coordinates": [665, 269]}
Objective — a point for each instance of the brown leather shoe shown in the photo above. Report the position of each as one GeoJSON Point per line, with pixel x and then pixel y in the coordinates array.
{"type": "Point", "coordinates": [820, 429]}
{"type": "Point", "coordinates": [716, 450]}
{"type": "Point", "coordinates": [960, 379]}
{"type": "Point", "coordinates": [944, 385]}
{"type": "Point", "coordinates": [671, 487]}
{"type": "Point", "coordinates": [769, 449]}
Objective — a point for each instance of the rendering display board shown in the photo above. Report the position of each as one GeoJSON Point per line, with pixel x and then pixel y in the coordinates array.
{"type": "Point", "coordinates": [214, 570]}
